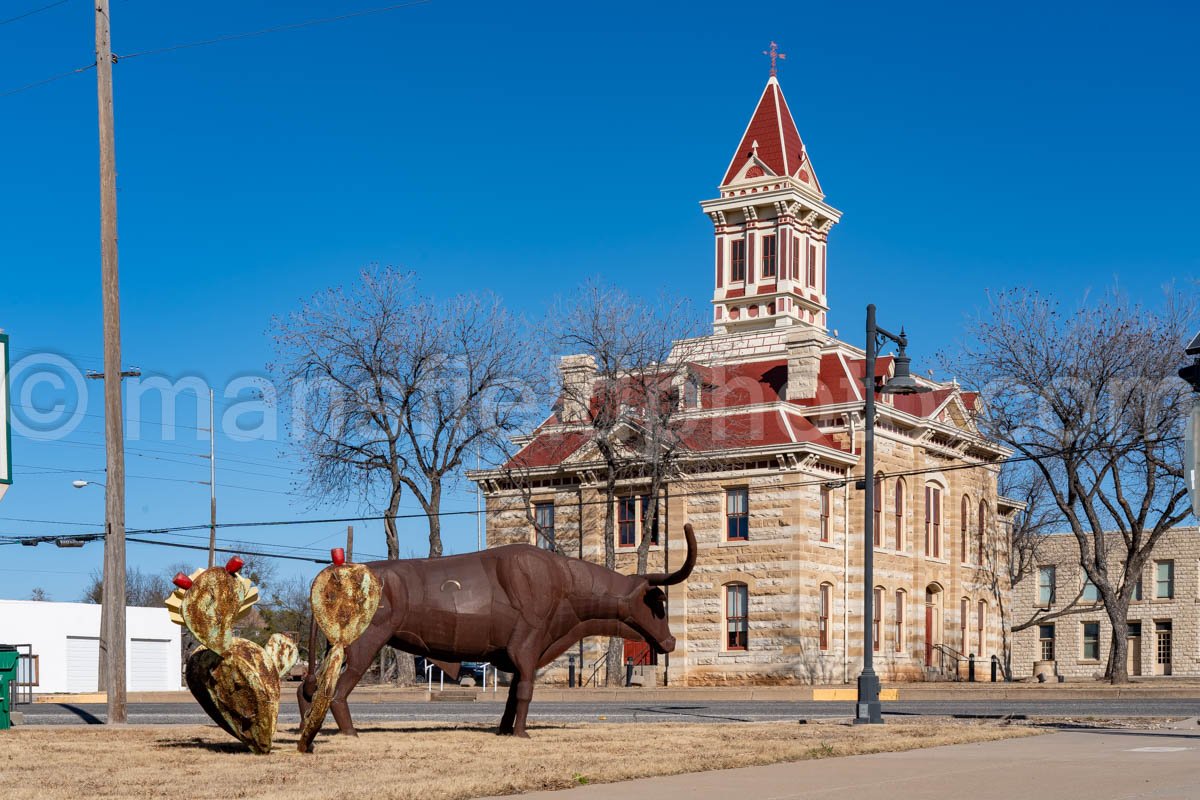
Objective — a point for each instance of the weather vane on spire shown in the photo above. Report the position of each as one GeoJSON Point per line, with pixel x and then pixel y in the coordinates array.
{"type": "Point", "coordinates": [774, 54]}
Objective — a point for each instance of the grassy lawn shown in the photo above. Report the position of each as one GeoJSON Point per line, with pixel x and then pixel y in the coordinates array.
{"type": "Point", "coordinates": [431, 762]}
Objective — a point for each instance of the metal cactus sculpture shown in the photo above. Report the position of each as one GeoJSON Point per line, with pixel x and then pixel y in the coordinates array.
{"type": "Point", "coordinates": [235, 681]}
{"type": "Point", "coordinates": [344, 599]}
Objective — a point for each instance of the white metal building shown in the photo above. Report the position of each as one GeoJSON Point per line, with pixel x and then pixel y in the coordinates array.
{"type": "Point", "coordinates": [65, 639]}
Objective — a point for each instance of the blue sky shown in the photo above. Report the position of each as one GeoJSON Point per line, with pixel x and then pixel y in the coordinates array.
{"type": "Point", "coordinates": [523, 147]}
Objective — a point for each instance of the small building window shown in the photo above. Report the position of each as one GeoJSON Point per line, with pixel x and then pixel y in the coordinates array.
{"type": "Point", "coordinates": [825, 607]}
{"type": "Point", "coordinates": [737, 515]}
{"type": "Point", "coordinates": [899, 620]}
{"type": "Point", "coordinates": [1137, 588]}
{"type": "Point", "coordinates": [737, 260]}
{"type": "Point", "coordinates": [933, 521]}
{"type": "Point", "coordinates": [769, 257]}
{"type": "Point", "coordinates": [650, 510]}
{"type": "Point", "coordinates": [1164, 583]}
{"type": "Point", "coordinates": [543, 517]}
{"type": "Point", "coordinates": [826, 503]}
{"type": "Point", "coordinates": [737, 620]}
{"type": "Point", "coordinates": [1046, 641]}
{"type": "Point", "coordinates": [627, 521]}
{"type": "Point", "coordinates": [797, 245]}
{"type": "Point", "coordinates": [877, 517]}
{"type": "Point", "coordinates": [877, 619]}
{"type": "Point", "coordinates": [1091, 641]}
{"type": "Point", "coordinates": [1091, 592]}
{"type": "Point", "coordinates": [898, 510]}
{"type": "Point", "coordinates": [1047, 586]}
{"type": "Point", "coordinates": [810, 278]}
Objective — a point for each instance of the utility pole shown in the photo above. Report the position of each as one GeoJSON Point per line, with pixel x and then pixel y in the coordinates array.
{"type": "Point", "coordinates": [112, 635]}
{"type": "Point", "coordinates": [349, 543]}
{"type": "Point", "coordinates": [212, 481]}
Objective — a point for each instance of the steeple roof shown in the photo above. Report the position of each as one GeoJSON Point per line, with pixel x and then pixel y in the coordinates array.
{"type": "Point", "coordinates": [772, 139]}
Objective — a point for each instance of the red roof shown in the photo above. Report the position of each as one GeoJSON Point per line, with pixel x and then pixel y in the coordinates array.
{"type": "Point", "coordinates": [547, 449]}
{"type": "Point", "coordinates": [754, 429]}
{"type": "Point", "coordinates": [779, 145]}
{"type": "Point", "coordinates": [921, 405]}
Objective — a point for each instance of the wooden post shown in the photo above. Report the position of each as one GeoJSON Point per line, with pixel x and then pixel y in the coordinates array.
{"type": "Point", "coordinates": [112, 637]}
{"type": "Point", "coordinates": [349, 543]}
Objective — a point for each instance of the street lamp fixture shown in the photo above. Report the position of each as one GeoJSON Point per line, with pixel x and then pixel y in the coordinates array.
{"type": "Point", "coordinates": [867, 710]}
{"type": "Point", "coordinates": [81, 484]}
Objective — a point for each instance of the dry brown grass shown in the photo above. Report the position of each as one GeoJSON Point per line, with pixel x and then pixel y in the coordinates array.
{"type": "Point", "coordinates": [430, 762]}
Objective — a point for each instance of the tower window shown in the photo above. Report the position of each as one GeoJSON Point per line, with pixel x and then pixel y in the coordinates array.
{"type": "Point", "coordinates": [797, 246]}
{"type": "Point", "coordinates": [769, 257]}
{"type": "Point", "coordinates": [737, 260]}
{"type": "Point", "coordinates": [810, 279]}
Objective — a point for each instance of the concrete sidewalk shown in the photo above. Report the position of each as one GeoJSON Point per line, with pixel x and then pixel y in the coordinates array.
{"type": "Point", "coordinates": [1083, 690]}
{"type": "Point", "coordinates": [1080, 764]}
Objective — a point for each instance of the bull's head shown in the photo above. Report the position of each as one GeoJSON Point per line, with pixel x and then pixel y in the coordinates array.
{"type": "Point", "coordinates": [647, 603]}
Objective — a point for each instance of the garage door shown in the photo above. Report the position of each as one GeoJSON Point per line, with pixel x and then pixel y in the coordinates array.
{"type": "Point", "coordinates": [83, 663]}
{"type": "Point", "coordinates": [148, 668]}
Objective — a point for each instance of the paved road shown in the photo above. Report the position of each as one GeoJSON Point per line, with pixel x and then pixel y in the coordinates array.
{"type": "Point", "coordinates": [610, 712]}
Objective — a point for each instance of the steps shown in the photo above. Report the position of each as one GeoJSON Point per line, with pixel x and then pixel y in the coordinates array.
{"type": "Point", "coordinates": [454, 695]}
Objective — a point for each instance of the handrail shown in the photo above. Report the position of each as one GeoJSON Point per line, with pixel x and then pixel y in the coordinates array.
{"type": "Point", "coordinates": [429, 667]}
{"type": "Point", "coordinates": [945, 651]}
{"type": "Point", "coordinates": [600, 662]}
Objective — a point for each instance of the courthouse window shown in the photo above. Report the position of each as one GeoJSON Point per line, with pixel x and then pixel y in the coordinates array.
{"type": "Point", "coordinates": [627, 521]}
{"type": "Point", "coordinates": [899, 512]}
{"type": "Point", "coordinates": [964, 514]}
{"type": "Point", "coordinates": [823, 612]}
{"type": "Point", "coordinates": [877, 519]}
{"type": "Point", "coordinates": [933, 521]}
{"type": "Point", "coordinates": [900, 607]}
{"type": "Point", "coordinates": [737, 515]}
{"type": "Point", "coordinates": [1091, 592]}
{"type": "Point", "coordinates": [877, 619]}
{"type": "Point", "coordinates": [769, 257]}
{"type": "Point", "coordinates": [826, 502]}
{"type": "Point", "coordinates": [737, 260]}
{"type": "Point", "coordinates": [543, 517]}
{"type": "Point", "coordinates": [737, 620]}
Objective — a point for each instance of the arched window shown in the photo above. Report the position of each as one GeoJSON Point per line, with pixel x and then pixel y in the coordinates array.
{"type": "Point", "coordinates": [877, 619]}
{"type": "Point", "coordinates": [824, 612]}
{"type": "Point", "coordinates": [933, 520]}
{"type": "Point", "coordinates": [981, 628]}
{"type": "Point", "coordinates": [737, 616]}
{"type": "Point", "coordinates": [981, 534]}
{"type": "Point", "coordinates": [899, 511]}
{"type": "Point", "coordinates": [899, 619]}
{"type": "Point", "coordinates": [877, 533]}
{"type": "Point", "coordinates": [964, 521]}
{"type": "Point", "coordinates": [964, 621]}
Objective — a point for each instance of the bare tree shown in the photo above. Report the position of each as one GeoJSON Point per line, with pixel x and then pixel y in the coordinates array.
{"type": "Point", "coordinates": [392, 390]}
{"type": "Point", "coordinates": [142, 589]}
{"type": "Point", "coordinates": [621, 383]}
{"type": "Point", "coordinates": [1090, 398]}
{"type": "Point", "coordinates": [39, 594]}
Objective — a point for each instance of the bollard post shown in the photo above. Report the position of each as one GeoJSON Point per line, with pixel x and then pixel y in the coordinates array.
{"type": "Point", "coordinates": [971, 668]}
{"type": "Point", "coordinates": [629, 671]}
{"type": "Point", "coordinates": [570, 672]}
{"type": "Point", "coordinates": [995, 664]}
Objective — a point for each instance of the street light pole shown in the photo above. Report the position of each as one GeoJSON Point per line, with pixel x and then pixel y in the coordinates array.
{"type": "Point", "coordinates": [867, 711]}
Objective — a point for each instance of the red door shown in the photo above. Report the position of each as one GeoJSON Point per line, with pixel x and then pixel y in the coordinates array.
{"type": "Point", "coordinates": [928, 635]}
{"type": "Point", "coordinates": [640, 652]}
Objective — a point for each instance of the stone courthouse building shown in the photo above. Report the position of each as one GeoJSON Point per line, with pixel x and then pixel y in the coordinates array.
{"type": "Point", "coordinates": [771, 407]}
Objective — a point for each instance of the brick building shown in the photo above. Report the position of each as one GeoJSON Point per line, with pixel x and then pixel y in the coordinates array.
{"type": "Point", "coordinates": [771, 406]}
{"type": "Point", "coordinates": [1164, 618]}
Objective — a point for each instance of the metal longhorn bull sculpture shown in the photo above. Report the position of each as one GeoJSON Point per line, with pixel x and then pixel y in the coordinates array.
{"type": "Point", "coordinates": [518, 607]}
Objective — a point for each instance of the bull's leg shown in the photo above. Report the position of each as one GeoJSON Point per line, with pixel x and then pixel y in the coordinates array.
{"type": "Point", "coordinates": [523, 680]}
{"type": "Point", "coordinates": [510, 710]}
{"type": "Point", "coordinates": [359, 656]}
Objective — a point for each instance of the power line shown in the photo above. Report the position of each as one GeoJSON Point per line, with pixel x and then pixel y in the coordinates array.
{"type": "Point", "coordinates": [45, 81]}
{"type": "Point", "coordinates": [34, 11]}
{"type": "Point", "coordinates": [276, 29]}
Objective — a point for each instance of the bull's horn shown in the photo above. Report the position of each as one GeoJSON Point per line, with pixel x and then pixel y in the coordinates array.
{"type": "Point", "coordinates": [680, 575]}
